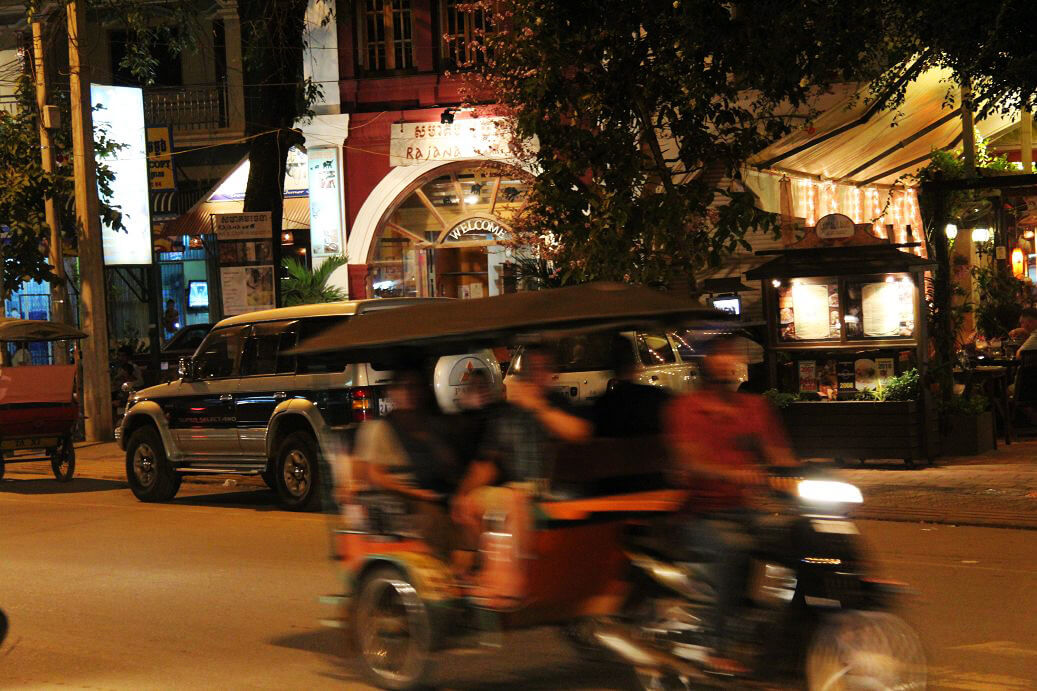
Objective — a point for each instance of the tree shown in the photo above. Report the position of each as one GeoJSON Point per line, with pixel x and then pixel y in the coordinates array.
{"type": "Point", "coordinates": [24, 187]}
{"type": "Point", "coordinates": [631, 102]}
{"type": "Point", "coordinates": [636, 105]}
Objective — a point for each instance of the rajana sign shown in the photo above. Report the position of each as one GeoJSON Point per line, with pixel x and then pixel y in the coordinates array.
{"type": "Point", "coordinates": [834, 226]}
{"type": "Point", "coordinates": [412, 143]}
{"type": "Point", "coordinates": [477, 226]}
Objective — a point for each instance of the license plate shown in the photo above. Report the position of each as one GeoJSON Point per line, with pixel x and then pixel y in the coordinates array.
{"type": "Point", "coordinates": [836, 527]}
{"type": "Point", "coordinates": [384, 406]}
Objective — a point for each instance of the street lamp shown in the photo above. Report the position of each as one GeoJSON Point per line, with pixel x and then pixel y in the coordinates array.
{"type": "Point", "coordinates": [980, 235]}
{"type": "Point", "coordinates": [951, 231]}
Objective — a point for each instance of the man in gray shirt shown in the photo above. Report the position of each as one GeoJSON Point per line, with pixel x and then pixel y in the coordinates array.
{"type": "Point", "coordinates": [1027, 331]}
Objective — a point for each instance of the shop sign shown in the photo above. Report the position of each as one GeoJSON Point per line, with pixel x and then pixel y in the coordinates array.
{"type": "Point", "coordinates": [325, 203]}
{"type": "Point", "coordinates": [160, 158]}
{"type": "Point", "coordinates": [835, 226]}
{"type": "Point", "coordinates": [417, 142]}
{"type": "Point", "coordinates": [256, 224]}
{"type": "Point", "coordinates": [120, 115]}
{"type": "Point", "coordinates": [478, 226]}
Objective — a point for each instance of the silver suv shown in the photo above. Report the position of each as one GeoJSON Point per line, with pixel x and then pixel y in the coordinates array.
{"type": "Point", "coordinates": [245, 405]}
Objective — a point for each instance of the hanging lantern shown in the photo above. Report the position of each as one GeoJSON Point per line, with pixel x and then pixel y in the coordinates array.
{"type": "Point", "coordinates": [287, 238]}
{"type": "Point", "coordinates": [1018, 263]}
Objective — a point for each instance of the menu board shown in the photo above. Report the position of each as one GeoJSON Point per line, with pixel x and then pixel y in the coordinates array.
{"type": "Point", "coordinates": [881, 307]}
{"type": "Point", "coordinates": [808, 376]}
{"type": "Point", "coordinates": [809, 311]}
{"type": "Point", "coordinates": [247, 288]}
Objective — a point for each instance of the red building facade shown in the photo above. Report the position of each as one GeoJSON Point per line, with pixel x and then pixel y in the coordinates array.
{"type": "Point", "coordinates": [426, 192]}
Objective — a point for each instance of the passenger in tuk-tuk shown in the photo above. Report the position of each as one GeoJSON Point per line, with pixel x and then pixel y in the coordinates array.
{"type": "Point", "coordinates": [478, 406]}
{"type": "Point", "coordinates": [722, 443]}
{"type": "Point", "coordinates": [405, 454]}
{"type": "Point", "coordinates": [628, 408]}
{"type": "Point", "coordinates": [519, 446]}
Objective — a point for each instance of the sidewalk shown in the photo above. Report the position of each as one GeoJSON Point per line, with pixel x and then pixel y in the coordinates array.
{"type": "Point", "coordinates": [998, 488]}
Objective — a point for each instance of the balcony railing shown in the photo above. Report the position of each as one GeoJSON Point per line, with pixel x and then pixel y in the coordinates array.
{"type": "Point", "coordinates": [189, 108]}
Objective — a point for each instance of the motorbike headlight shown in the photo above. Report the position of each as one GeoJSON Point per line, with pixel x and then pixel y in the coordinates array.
{"type": "Point", "coordinates": [829, 492]}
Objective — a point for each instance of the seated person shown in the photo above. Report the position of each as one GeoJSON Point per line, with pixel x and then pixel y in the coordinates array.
{"type": "Point", "coordinates": [519, 447]}
{"type": "Point", "coordinates": [1027, 331]}
{"type": "Point", "coordinates": [402, 453]}
{"type": "Point", "coordinates": [628, 408]}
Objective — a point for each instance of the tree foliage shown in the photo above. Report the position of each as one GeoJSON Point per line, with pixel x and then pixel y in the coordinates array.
{"type": "Point", "coordinates": [637, 107]}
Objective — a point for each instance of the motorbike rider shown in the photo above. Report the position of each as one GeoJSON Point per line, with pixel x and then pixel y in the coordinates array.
{"type": "Point", "coordinates": [722, 442]}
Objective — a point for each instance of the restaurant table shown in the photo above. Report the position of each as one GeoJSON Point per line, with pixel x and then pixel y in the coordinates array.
{"type": "Point", "coordinates": [994, 380]}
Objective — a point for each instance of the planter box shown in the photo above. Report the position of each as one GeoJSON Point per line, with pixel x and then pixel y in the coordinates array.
{"type": "Point", "coordinates": [968, 435]}
{"type": "Point", "coordinates": [859, 430]}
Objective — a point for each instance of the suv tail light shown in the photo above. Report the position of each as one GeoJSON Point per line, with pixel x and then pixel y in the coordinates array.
{"type": "Point", "coordinates": [363, 404]}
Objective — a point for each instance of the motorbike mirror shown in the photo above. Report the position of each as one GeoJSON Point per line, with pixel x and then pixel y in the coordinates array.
{"type": "Point", "coordinates": [126, 388]}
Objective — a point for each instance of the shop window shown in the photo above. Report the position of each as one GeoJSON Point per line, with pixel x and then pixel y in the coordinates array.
{"type": "Point", "coordinates": [880, 307]}
{"type": "Point", "coordinates": [809, 310]}
{"type": "Point", "coordinates": [464, 24]}
{"type": "Point", "coordinates": [220, 353]}
{"type": "Point", "coordinates": [655, 349]}
{"type": "Point", "coordinates": [387, 35]}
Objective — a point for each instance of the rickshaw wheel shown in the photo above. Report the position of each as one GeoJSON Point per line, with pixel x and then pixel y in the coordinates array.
{"type": "Point", "coordinates": [391, 630]}
{"type": "Point", "coordinates": [148, 472]}
{"type": "Point", "coordinates": [63, 460]}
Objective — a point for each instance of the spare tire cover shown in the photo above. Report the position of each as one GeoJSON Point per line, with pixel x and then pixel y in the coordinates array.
{"type": "Point", "coordinates": [453, 372]}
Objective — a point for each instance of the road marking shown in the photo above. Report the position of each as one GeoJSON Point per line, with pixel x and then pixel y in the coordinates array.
{"type": "Point", "coordinates": [892, 562]}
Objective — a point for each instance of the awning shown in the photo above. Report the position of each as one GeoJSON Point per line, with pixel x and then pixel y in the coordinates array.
{"type": "Point", "coordinates": [854, 142]}
{"type": "Point", "coordinates": [198, 220]}
{"type": "Point", "coordinates": [838, 261]}
{"type": "Point", "coordinates": [447, 324]}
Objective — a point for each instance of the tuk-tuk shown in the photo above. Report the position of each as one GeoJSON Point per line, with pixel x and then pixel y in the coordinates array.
{"type": "Point", "coordinates": [38, 407]}
{"type": "Point", "coordinates": [579, 549]}
{"type": "Point", "coordinates": [391, 573]}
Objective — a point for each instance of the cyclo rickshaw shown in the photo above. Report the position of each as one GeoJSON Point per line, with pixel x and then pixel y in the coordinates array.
{"type": "Point", "coordinates": [566, 551]}
{"type": "Point", "coordinates": [38, 408]}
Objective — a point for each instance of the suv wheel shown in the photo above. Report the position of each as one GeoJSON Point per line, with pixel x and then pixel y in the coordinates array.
{"type": "Point", "coordinates": [148, 471]}
{"type": "Point", "coordinates": [297, 472]}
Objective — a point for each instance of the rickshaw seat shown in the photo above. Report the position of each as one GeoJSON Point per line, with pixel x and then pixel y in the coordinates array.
{"type": "Point", "coordinates": [36, 384]}
{"type": "Point", "coordinates": [605, 466]}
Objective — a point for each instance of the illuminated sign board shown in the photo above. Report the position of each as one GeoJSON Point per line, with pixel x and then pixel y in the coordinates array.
{"type": "Point", "coordinates": [119, 113]}
{"type": "Point", "coordinates": [325, 203]}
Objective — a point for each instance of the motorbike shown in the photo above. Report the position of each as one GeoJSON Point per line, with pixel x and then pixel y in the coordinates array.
{"type": "Point", "coordinates": [813, 612]}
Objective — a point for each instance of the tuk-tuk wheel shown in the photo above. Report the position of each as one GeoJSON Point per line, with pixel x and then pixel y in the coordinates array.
{"type": "Point", "coordinates": [391, 630]}
{"type": "Point", "coordinates": [63, 460]}
{"type": "Point", "coordinates": [148, 472]}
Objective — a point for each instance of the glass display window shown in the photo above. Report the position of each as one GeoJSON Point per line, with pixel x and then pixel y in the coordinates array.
{"type": "Point", "coordinates": [880, 307]}
{"type": "Point", "coordinates": [809, 310]}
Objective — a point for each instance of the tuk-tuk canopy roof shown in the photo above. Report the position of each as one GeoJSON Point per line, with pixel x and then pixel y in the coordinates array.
{"type": "Point", "coordinates": [499, 319]}
{"type": "Point", "coordinates": [837, 261]}
{"type": "Point", "coordinates": [37, 330]}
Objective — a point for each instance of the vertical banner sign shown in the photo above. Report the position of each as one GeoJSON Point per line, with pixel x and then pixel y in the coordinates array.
{"type": "Point", "coordinates": [246, 261]}
{"type": "Point", "coordinates": [160, 158]}
{"type": "Point", "coordinates": [119, 115]}
{"type": "Point", "coordinates": [325, 203]}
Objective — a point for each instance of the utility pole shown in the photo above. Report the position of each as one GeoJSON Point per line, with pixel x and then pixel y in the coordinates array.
{"type": "Point", "coordinates": [45, 115]}
{"type": "Point", "coordinates": [96, 381]}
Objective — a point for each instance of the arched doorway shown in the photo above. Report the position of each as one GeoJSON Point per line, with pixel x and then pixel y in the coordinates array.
{"type": "Point", "coordinates": [442, 236]}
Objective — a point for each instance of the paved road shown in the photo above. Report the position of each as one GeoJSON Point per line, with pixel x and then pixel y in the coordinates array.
{"type": "Point", "coordinates": [219, 590]}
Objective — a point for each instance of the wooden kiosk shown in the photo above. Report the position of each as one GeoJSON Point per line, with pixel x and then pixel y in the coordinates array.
{"type": "Point", "coordinates": [845, 314]}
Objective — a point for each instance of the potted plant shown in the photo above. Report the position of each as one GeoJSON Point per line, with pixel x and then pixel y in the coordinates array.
{"type": "Point", "coordinates": [890, 422]}
{"type": "Point", "coordinates": [967, 425]}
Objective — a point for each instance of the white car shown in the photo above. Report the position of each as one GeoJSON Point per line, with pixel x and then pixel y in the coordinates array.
{"type": "Point", "coordinates": [585, 363]}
